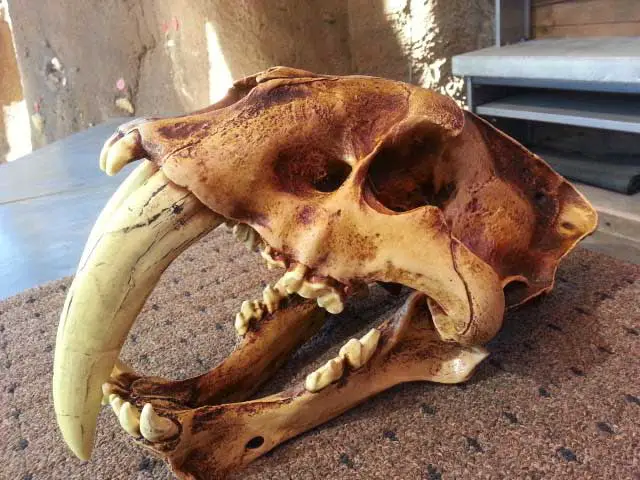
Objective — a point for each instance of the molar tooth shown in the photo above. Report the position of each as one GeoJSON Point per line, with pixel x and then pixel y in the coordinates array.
{"type": "Point", "coordinates": [129, 418]}
{"type": "Point", "coordinates": [313, 289]}
{"type": "Point", "coordinates": [369, 344]}
{"type": "Point", "coordinates": [116, 403]}
{"type": "Point", "coordinates": [155, 428]}
{"type": "Point", "coordinates": [331, 302]}
{"type": "Point", "coordinates": [267, 254]}
{"type": "Point", "coordinates": [351, 352]}
{"type": "Point", "coordinates": [241, 324]}
{"type": "Point", "coordinates": [325, 375]}
{"type": "Point", "coordinates": [271, 298]}
{"type": "Point", "coordinates": [292, 280]}
{"type": "Point", "coordinates": [250, 309]}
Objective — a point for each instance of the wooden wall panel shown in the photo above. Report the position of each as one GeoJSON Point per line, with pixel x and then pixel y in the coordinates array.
{"type": "Point", "coordinates": [585, 18]}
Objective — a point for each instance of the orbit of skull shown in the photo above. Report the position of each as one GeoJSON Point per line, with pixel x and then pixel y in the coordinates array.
{"type": "Point", "coordinates": [343, 183]}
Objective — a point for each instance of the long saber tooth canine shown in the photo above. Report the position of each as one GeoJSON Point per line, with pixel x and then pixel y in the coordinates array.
{"type": "Point", "coordinates": [137, 242]}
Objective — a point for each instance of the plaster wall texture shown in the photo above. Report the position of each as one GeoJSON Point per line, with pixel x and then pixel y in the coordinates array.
{"type": "Point", "coordinates": [85, 61]}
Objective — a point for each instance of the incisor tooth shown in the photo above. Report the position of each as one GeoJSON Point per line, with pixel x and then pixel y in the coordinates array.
{"type": "Point", "coordinates": [122, 152]}
{"type": "Point", "coordinates": [129, 418]}
{"type": "Point", "coordinates": [155, 428]}
{"type": "Point", "coordinates": [325, 375]}
{"type": "Point", "coordinates": [116, 403]}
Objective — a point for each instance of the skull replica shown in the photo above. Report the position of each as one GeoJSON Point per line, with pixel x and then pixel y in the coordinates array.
{"type": "Point", "coordinates": [342, 182]}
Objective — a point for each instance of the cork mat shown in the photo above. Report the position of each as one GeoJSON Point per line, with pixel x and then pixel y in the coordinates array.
{"type": "Point", "coordinates": [558, 398]}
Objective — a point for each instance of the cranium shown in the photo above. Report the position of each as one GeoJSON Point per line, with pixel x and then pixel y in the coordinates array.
{"type": "Point", "coordinates": [343, 182]}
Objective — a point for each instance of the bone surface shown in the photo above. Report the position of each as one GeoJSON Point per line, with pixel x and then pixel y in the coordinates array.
{"type": "Point", "coordinates": [344, 181]}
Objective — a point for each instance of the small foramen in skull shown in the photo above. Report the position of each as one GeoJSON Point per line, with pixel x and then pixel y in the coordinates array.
{"type": "Point", "coordinates": [342, 182]}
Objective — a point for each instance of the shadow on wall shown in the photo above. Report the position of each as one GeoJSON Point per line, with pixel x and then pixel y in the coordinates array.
{"type": "Point", "coordinates": [81, 61]}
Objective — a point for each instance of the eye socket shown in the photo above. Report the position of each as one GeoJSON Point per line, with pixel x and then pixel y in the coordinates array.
{"type": "Point", "coordinates": [306, 170]}
{"type": "Point", "coordinates": [401, 177]}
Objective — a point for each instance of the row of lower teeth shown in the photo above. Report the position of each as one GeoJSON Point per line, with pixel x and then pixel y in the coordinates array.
{"type": "Point", "coordinates": [293, 281]}
{"type": "Point", "coordinates": [355, 353]}
{"type": "Point", "coordinates": [147, 423]}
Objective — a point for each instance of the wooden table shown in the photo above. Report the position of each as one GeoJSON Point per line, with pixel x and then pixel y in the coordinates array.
{"type": "Point", "coordinates": [49, 201]}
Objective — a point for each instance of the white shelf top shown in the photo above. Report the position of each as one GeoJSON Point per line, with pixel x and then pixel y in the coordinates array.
{"type": "Point", "coordinates": [600, 60]}
{"type": "Point", "coordinates": [593, 110]}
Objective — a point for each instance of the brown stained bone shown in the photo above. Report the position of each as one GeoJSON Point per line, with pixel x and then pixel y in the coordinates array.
{"type": "Point", "coordinates": [343, 174]}
{"type": "Point", "coordinates": [360, 180]}
{"type": "Point", "coordinates": [218, 439]}
{"type": "Point", "coordinates": [261, 352]}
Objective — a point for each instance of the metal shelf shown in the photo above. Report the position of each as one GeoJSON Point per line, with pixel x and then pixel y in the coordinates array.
{"type": "Point", "coordinates": [592, 110]}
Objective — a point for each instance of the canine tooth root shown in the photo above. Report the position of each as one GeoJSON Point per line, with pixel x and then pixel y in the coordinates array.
{"type": "Point", "coordinates": [351, 352]}
{"type": "Point", "coordinates": [331, 302]}
{"type": "Point", "coordinates": [325, 375]}
{"type": "Point", "coordinates": [116, 404]}
{"type": "Point", "coordinates": [129, 418]}
{"type": "Point", "coordinates": [155, 428]}
{"type": "Point", "coordinates": [369, 344]}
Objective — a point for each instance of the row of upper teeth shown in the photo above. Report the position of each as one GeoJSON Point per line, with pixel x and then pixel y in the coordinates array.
{"type": "Point", "coordinates": [147, 423]}
{"type": "Point", "coordinates": [293, 281]}
{"type": "Point", "coordinates": [355, 353]}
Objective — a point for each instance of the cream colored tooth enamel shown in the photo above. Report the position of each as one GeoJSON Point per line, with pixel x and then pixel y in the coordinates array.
{"type": "Point", "coordinates": [271, 298]}
{"type": "Point", "coordinates": [292, 280]}
{"type": "Point", "coordinates": [313, 289]}
{"type": "Point", "coordinates": [267, 254]}
{"type": "Point", "coordinates": [152, 226]}
{"type": "Point", "coordinates": [116, 403]}
{"type": "Point", "coordinates": [369, 344]}
{"type": "Point", "coordinates": [248, 311]}
{"type": "Point", "coordinates": [140, 174]}
{"type": "Point", "coordinates": [103, 155]}
{"type": "Point", "coordinates": [331, 302]}
{"type": "Point", "coordinates": [121, 152]}
{"type": "Point", "coordinates": [325, 375]}
{"type": "Point", "coordinates": [351, 352]}
{"type": "Point", "coordinates": [241, 324]}
{"type": "Point", "coordinates": [129, 418]}
{"type": "Point", "coordinates": [155, 428]}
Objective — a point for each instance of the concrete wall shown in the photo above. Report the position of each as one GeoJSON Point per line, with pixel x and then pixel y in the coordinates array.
{"type": "Point", "coordinates": [10, 87]}
{"type": "Point", "coordinates": [89, 60]}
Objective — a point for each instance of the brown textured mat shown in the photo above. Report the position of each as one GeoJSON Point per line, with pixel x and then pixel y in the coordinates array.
{"type": "Point", "coordinates": [559, 397]}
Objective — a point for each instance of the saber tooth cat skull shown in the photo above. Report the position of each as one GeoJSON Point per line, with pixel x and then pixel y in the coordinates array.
{"type": "Point", "coordinates": [344, 183]}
